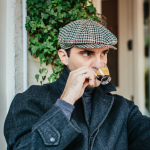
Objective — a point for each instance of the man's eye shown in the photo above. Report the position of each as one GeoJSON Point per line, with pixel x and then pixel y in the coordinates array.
{"type": "Point", "coordinates": [86, 54]}
{"type": "Point", "coordinates": [104, 53]}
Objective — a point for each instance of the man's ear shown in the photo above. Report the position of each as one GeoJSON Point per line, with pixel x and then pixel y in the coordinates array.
{"type": "Point", "coordinates": [63, 56]}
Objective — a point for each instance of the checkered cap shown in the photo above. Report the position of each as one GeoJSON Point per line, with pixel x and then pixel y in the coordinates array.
{"type": "Point", "coordinates": [86, 34]}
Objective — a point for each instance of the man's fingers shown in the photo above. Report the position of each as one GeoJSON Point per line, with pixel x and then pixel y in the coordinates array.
{"type": "Point", "coordinates": [83, 69]}
{"type": "Point", "coordinates": [86, 77]}
{"type": "Point", "coordinates": [88, 74]}
{"type": "Point", "coordinates": [79, 69]}
{"type": "Point", "coordinates": [86, 83]}
{"type": "Point", "coordinates": [84, 73]}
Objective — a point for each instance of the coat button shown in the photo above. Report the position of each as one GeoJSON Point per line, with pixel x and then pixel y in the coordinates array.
{"type": "Point", "coordinates": [52, 139]}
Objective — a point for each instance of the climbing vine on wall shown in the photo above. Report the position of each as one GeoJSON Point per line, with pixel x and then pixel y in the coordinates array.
{"type": "Point", "coordinates": [44, 20]}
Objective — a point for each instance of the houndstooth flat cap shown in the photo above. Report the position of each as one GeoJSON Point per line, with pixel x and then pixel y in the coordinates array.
{"type": "Point", "coordinates": [86, 34]}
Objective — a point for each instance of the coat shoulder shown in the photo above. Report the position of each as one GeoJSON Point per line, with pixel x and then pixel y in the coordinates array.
{"type": "Point", "coordinates": [122, 102]}
{"type": "Point", "coordinates": [35, 95]}
{"type": "Point", "coordinates": [121, 99]}
{"type": "Point", "coordinates": [36, 91]}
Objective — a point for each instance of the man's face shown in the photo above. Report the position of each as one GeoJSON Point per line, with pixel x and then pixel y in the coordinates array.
{"type": "Point", "coordinates": [80, 57]}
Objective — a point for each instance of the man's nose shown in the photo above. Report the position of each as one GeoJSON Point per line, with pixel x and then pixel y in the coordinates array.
{"type": "Point", "coordinates": [97, 62]}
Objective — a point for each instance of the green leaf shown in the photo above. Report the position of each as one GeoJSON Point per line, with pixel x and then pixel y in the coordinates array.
{"type": "Point", "coordinates": [49, 60]}
{"type": "Point", "coordinates": [55, 53]}
{"type": "Point", "coordinates": [60, 28]}
{"type": "Point", "coordinates": [57, 76]}
{"type": "Point", "coordinates": [41, 56]}
{"type": "Point", "coordinates": [33, 40]}
{"type": "Point", "coordinates": [52, 12]}
{"type": "Point", "coordinates": [43, 78]}
{"type": "Point", "coordinates": [37, 77]}
{"type": "Point", "coordinates": [41, 24]}
{"type": "Point", "coordinates": [38, 36]}
{"type": "Point", "coordinates": [52, 48]}
{"type": "Point", "coordinates": [41, 46]}
{"type": "Point", "coordinates": [53, 79]}
{"type": "Point", "coordinates": [53, 22]}
{"type": "Point", "coordinates": [34, 49]}
{"type": "Point", "coordinates": [61, 20]}
{"type": "Point", "coordinates": [45, 37]}
{"type": "Point", "coordinates": [91, 9]}
{"type": "Point", "coordinates": [48, 10]}
{"type": "Point", "coordinates": [57, 61]}
{"type": "Point", "coordinates": [48, 44]}
{"type": "Point", "coordinates": [44, 16]}
{"type": "Point", "coordinates": [50, 77]}
{"type": "Point", "coordinates": [59, 8]}
{"type": "Point", "coordinates": [45, 31]}
{"type": "Point", "coordinates": [41, 82]}
{"type": "Point", "coordinates": [32, 23]}
{"type": "Point", "coordinates": [46, 50]}
{"type": "Point", "coordinates": [28, 19]}
{"type": "Point", "coordinates": [49, 27]}
{"type": "Point", "coordinates": [41, 62]}
{"type": "Point", "coordinates": [57, 70]}
{"type": "Point", "coordinates": [42, 70]}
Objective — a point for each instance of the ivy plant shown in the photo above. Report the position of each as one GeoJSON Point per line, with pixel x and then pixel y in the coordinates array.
{"type": "Point", "coordinates": [44, 20]}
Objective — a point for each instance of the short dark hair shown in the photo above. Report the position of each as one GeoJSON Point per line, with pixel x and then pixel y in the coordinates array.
{"type": "Point", "coordinates": [68, 51]}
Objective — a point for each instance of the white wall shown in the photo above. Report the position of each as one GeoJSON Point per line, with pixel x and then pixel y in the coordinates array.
{"type": "Point", "coordinates": [3, 104]}
{"type": "Point", "coordinates": [14, 49]}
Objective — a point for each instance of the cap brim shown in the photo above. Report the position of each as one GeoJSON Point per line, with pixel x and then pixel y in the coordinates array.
{"type": "Point", "coordinates": [95, 46]}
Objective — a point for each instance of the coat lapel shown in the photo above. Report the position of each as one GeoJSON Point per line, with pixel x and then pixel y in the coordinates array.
{"type": "Point", "coordinates": [86, 115]}
{"type": "Point", "coordinates": [101, 107]}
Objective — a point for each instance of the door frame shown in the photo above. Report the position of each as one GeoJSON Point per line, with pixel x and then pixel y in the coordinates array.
{"type": "Point", "coordinates": [138, 54]}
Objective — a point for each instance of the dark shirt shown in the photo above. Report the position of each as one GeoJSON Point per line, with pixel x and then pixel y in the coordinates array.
{"type": "Point", "coordinates": [68, 108]}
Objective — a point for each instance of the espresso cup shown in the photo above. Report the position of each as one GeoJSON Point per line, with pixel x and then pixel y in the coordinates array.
{"type": "Point", "coordinates": [103, 74]}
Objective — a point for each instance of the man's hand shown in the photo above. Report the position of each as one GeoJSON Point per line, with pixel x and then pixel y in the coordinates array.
{"type": "Point", "coordinates": [77, 81]}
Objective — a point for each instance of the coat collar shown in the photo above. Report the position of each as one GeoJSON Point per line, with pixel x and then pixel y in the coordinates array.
{"type": "Point", "coordinates": [64, 76]}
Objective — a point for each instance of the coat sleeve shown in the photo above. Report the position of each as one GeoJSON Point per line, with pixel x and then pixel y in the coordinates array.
{"type": "Point", "coordinates": [138, 130]}
{"type": "Point", "coordinates": [27, 127]}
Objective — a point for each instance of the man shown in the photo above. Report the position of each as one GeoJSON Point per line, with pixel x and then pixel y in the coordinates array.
{"type": "Point", "coordinates": [77, 112]}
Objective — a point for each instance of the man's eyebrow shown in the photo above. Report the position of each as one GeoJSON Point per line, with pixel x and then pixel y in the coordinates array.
{"type": "Point", "coordinates": [89, 51]}
{"type": "Point", "coordinates": [107, 50]}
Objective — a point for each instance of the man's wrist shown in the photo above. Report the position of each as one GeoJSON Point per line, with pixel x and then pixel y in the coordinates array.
{"type": "Point", "coordinates": [68, 100]}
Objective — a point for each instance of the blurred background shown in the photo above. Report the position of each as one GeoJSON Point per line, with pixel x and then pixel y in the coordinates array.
{"type": "Point", "coordinates": [129, 65]}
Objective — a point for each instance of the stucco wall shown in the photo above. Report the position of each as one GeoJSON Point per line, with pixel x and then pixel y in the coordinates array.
{"type": "Point", "coordinates": [18, 47]}
{"type": "Point", "coordinates": [11, 79]}
{"type": "Point", "coordinates": [14, 52]}
{"type": "Point", "coordinates": [3, 103]}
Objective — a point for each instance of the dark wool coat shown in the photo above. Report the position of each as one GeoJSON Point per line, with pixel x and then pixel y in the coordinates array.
{"type": "Point", "coordinates": [34, 122]}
